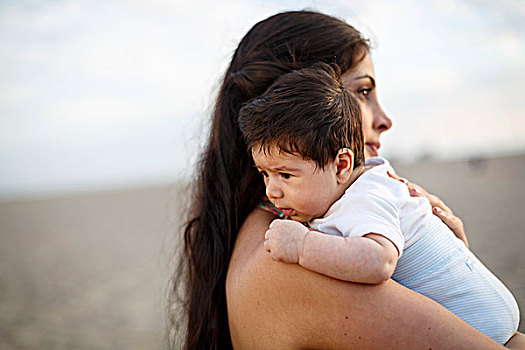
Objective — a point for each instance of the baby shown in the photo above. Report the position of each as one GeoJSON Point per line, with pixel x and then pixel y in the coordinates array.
{"type": "Point", "coordinates": [306, 140]}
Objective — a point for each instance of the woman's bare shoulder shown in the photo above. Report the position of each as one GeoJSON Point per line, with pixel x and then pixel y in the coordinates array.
{"type": "Point", "coordinates": [278, 305]}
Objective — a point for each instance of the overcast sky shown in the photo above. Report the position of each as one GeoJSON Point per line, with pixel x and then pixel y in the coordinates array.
{"type": "Point", "coordinates": [105, 94]}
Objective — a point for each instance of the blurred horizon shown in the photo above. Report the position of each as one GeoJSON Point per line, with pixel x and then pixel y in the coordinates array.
{"type": "Point", "coordinates": [106, 95]}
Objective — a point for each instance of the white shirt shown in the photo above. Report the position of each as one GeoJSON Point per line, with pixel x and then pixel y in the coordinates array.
{"type": "Point", "coordinates": [376, 203]}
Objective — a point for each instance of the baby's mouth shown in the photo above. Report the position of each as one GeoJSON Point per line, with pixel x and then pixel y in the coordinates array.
{"type": "Point", "coordinates": [287, 211]}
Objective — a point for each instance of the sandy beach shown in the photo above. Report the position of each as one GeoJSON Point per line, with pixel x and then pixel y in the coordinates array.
{"type": "Point", "coordinates": [89, 271]}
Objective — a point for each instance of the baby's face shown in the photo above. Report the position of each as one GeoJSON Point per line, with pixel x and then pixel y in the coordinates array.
{"type": "Point", "coordinates": [298, 187]}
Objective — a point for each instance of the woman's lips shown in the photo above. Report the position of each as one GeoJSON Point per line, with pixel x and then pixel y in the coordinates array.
{"type": "Point", "coordinates": [373, 148]}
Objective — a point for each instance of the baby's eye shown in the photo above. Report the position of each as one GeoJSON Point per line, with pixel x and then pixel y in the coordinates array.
{"type": "Point", "coordinates": [264, 173]}
{"type": "Point", "coordinates": [285, 175]}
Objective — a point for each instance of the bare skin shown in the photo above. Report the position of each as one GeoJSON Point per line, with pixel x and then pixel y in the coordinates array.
{"type": "Point", "coordinates": [368, 259]}
{"type": "Point", "coordinates": [517, 341]}
{"type": "Point", "coordinates": [273, 305]}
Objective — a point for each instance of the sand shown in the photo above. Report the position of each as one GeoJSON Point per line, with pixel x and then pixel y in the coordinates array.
{"type": "Point", "coordinates": [89, 271]}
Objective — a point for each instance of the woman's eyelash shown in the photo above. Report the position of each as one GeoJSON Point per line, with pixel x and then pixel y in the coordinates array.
{"type": "Point", "coordinates": [364, 92]}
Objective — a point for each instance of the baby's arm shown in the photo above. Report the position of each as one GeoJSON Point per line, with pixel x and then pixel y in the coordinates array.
{"type": "Point", "coordinates": [368, 259]}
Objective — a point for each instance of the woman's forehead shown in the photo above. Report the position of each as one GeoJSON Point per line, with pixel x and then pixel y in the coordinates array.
{"type": "Point", "coordinates": [361, 70]}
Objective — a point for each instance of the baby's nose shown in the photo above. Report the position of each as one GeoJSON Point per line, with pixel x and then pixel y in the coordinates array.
{"type": "Point", "coordinates": [273, 190]}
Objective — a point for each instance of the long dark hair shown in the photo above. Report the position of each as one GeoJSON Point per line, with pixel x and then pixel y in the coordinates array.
{"type": "Point", "coordinates": [228, 186]}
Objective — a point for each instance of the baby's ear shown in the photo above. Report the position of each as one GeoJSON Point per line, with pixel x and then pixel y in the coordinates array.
{"type": "Point", "coordinates": [344, 162]}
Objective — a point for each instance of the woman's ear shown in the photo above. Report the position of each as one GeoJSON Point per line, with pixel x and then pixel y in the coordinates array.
{"type": "Point", "coordinates": [344, 162]}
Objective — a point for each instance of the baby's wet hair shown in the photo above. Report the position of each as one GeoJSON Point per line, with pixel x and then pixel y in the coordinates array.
{"type": "Point", "coordinates": [305, 112]}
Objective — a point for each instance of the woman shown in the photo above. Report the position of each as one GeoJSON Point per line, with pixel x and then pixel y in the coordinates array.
{"type": "Point", "coordinates": [234, 294]}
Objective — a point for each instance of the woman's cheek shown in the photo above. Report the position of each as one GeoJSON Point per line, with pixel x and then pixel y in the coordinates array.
{"type": "Point", "coordinates": [366, 124]}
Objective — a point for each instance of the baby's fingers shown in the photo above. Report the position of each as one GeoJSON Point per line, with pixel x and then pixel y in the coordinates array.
{"type": "Point", "coordinates": [267, 246]}
{"type": "Point", "coordinates": [276, 223]}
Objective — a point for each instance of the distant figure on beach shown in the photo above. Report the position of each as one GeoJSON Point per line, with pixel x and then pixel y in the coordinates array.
{"type": "Point", "coordinates": [306, 140]}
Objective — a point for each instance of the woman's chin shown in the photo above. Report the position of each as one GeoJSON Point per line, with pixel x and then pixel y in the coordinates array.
{"type": "Point", "coordinates": [371, 151]}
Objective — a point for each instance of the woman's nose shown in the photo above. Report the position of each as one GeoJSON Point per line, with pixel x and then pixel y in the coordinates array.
{"type": "Point", "coordinates": [273, 190]}
{"type": "Point", "coordinates": [381, 120]}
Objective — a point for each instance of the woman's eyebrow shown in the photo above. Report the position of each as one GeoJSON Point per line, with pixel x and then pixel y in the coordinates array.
{"type": "Point", "coordinates": [365, 77]}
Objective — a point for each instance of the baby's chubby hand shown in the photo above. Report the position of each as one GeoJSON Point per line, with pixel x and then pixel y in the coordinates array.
{"type": "Point", "coordinates": [284, 240]}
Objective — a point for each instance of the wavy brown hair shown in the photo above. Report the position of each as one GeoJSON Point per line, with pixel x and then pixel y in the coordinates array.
{"type": "Point", "coordinates": [228, 186]}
